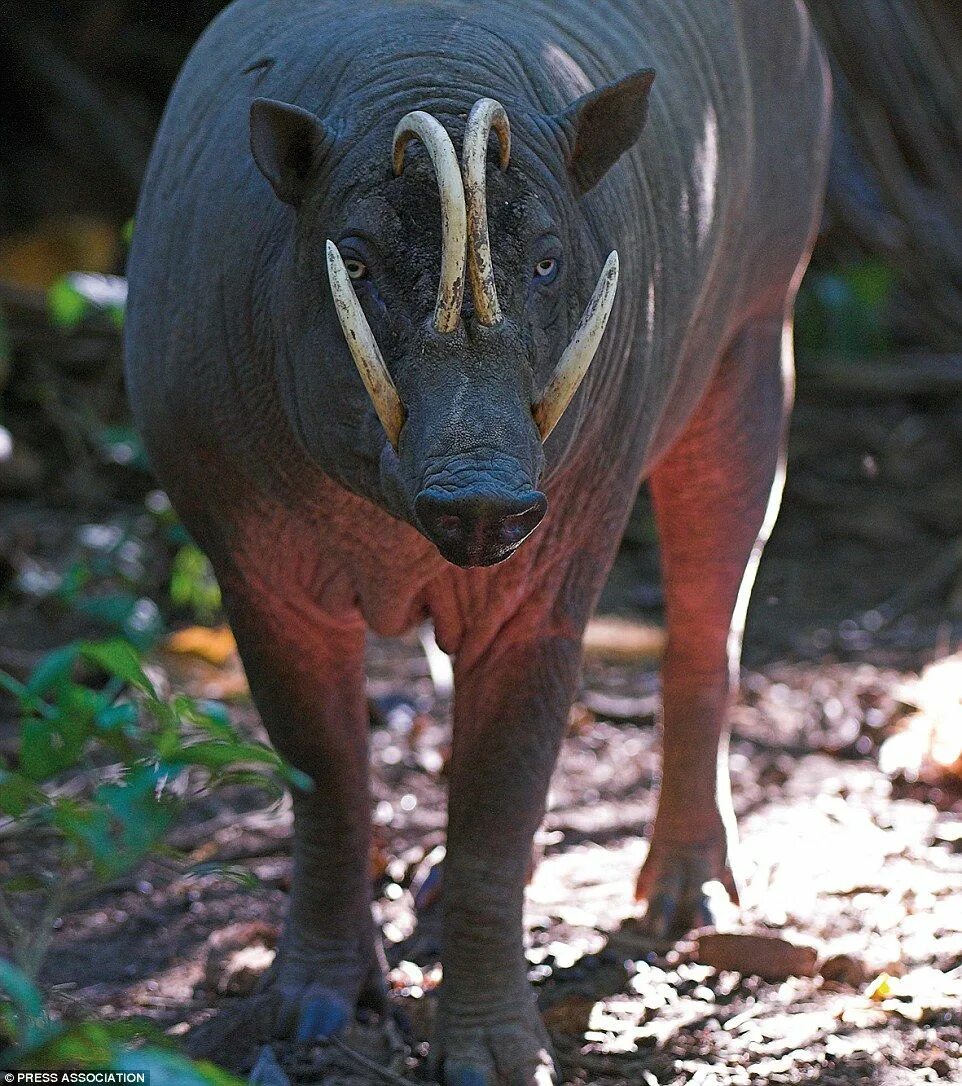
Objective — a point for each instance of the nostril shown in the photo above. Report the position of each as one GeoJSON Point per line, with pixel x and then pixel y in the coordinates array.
{"type": "Point", "coordinates": [516, 526]}
{"type": "Point", "coordinates": [475, 526]}
{"type": "Point", "coordinates": [449, 523]}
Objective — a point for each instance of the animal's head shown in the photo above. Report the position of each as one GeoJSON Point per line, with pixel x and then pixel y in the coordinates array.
{"type": "Point", "coordinates": [466, 385]}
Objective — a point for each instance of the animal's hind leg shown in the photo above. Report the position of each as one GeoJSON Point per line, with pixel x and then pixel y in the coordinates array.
{"type": "Point", "coordinates": [306, 674]}
{"type": "Point", "coordinates": [716, 495]}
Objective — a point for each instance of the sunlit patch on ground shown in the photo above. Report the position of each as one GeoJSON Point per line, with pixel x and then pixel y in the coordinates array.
{"type": "Point", "coordinates": [836, 855]}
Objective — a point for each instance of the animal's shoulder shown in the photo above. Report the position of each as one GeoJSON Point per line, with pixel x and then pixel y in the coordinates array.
{"type": "Point", "coordinates": [785, 66]}
{"type": "Point", "coordinates": [790, 94]}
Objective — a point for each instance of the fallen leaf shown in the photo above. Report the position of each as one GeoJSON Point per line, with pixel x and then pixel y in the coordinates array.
{"type": "Point", "coordinates": [216, 645]}
{"type": "Point", "coordinates": [880, 989]}
{"type": "Point", "coordinates": [569, 1016]}
{"type": "Point", "coordinates": [620, 639]}
{"type": "Point", "coordinates": [770, 957]}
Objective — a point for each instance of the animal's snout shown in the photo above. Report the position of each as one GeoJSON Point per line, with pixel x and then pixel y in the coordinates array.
{"type": "Point", "coordinates": [478, 527]}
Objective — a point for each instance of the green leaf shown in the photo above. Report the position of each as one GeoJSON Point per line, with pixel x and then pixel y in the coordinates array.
{"type": "Point", "coordinates": [48, 747]}
{"type": "Point", "coordinates": [215, 756]}
{"type": "Point", "coordinates": [141, 815]}
{"type": "Point", "coordinates": [211, 716]}
{"type": "Point", "coordinates": [273, 786]}
{"type": "Point", "coordinates": [192, 583]}
{"type": "Point", "coordinates": [73, 581]}
{"type": "Point", "coordinates": [53, 670]}
{"type": "Point", "coordinates": [87, 829]}
{"type": "Point", "coordinates": [74, 297]}
{"type": "Point", "coordinates": [220, 757]}
{"type": "Point", "coordinates": [124, 823]}
{"type": "Point", "coordinates": [24, 884]}
{"type": "Point", "coordinates": [65, 304]}
{"type": "Point", "coordinates": [119, 658]}
{"type": "Point", "coordinates": [136, 618]}
{"type": "Point", "coordinates": [872, 282]}
{"type": "Point", "coordinates": [80, 704]}
{"type": "Point", "coordinates": [13, 687]}
{"type": "Point", "coordinates": [172, 1069]}
{"type": "Point", "coordinates": [296, 778]}
{"type": "Point", "coordinates": [119, 719]}
{"type": "Point", "coordinates": [23, 993]}
{"type": "Point", "coordinates": [67, 1047]}
{"type": "Point", "coordinates": [122, 445]}
{"type": "Point", "coordinates": [18, 794]}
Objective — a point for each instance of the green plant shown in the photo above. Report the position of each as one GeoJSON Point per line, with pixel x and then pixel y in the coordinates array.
{"type": "Point", "coordinates": [80, 296]}
{"type": "Point", "coordinates": [117, 570]}
{"type": "Point", "coordinates": [845, 310]}
{"type": "Point", "coordinates": [192, 583]}
{"type": "Point", "coordinates": [104, 768]}
{"type": "Point", "coordinates": [33, 1040]}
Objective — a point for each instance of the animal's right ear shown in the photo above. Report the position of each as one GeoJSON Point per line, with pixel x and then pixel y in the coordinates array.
{"type": "Point", "coordinates": [603, 124]}
{"type": "Point", "coordinates": [287, 143]}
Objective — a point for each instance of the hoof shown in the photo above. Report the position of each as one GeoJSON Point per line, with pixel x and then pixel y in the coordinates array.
{"type": "Point", "coordinates": [459, 1073]}
{"type": "Point", "coordinates": [685, 887]}
{"type": "Point", "coordinates": [236, 1035]}
{"type": "Point", "coordinates": [321, 1013]}
{"type": "Point", "coordinates": [267, 1071]}
{"type": "Point", "coordinates": [512, 1053]}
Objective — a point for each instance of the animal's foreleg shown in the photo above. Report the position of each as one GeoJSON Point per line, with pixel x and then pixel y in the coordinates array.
{"type": "Point", "coordinates": [510, 713]}
{"type": "Point", "coordinates": [306, 675]}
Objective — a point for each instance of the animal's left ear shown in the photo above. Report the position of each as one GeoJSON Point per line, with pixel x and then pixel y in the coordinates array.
{"type": "Point", "coordinates": [288, 143]}
{"type": "Point", "coordinates": [603, 124]}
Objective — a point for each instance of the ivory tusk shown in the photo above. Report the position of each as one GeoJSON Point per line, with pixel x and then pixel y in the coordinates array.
{"type": "Point", "coordinates": [422, 126]}
{"type": "Point", "coordinates": [363, 347]}
{"type": "Point", "coordinates": [577, 356]}
{"type": "Point", "coordinates": [485, 114]}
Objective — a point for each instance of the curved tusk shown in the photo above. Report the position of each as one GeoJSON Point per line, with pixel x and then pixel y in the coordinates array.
{"type": "Point", "coordinates": [363, 347]}
{"type": "Point", "coordinates": [485, 114]}
{"type": "Point", "coordinates": [422, 126]}
{"type": "Point", "coordinates": [580, 351]}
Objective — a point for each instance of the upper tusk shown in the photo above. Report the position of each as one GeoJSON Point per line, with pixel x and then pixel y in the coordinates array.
{"type": "Point", "coordinates": [580, 351]}
{"type": "Point", "coordinates": [422, 126]}
{"type": "Point", "coordinates": [485, 115]}
{"type": "Point", "coordinates": [363, 347]}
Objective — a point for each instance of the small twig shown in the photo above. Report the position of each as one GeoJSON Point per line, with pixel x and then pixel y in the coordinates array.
{"type": "Point", "coordinates": [37, 943]}
{"type": "Point", "coordinates": [933, 578]}
{"type": "Point", "coordinates": [10, 922]}
{"type": "Point", "coordinates": [369, 1065]}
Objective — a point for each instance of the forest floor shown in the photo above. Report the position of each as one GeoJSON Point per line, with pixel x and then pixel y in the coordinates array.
{"type": "Point", "coordinates": [835, 855]}
{"type": "Point", "coordinates": [851, 845]}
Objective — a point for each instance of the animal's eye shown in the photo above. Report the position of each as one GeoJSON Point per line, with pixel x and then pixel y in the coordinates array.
{"type": "Point", "coordinates": [356, 269]}
{"type": "Point", "coordinates": [546, 270]}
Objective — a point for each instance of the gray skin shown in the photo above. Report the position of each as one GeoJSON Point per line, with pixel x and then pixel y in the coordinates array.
{"type": "Point", "coordinates": [257, 423]}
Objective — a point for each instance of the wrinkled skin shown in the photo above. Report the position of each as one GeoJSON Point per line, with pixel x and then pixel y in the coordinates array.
{"type": "Point", "coordinates": [257, 423]}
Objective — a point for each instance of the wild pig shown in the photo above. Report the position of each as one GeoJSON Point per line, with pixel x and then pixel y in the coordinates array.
{"type": "Point", "coordinates": [375, 254]}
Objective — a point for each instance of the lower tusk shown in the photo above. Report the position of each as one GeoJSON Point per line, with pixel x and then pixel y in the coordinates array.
{"type": "Point", "coordinates": [577, 356]}
{"type": "Point", "coordinates": [363, 347]}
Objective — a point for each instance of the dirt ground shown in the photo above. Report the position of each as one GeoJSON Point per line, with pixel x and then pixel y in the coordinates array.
{"type": "Point", "coordinates": [864, 866]}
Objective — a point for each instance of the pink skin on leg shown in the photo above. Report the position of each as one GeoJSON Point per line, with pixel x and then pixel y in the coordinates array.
{"type": "Point", "coordinates": [716, 495]}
